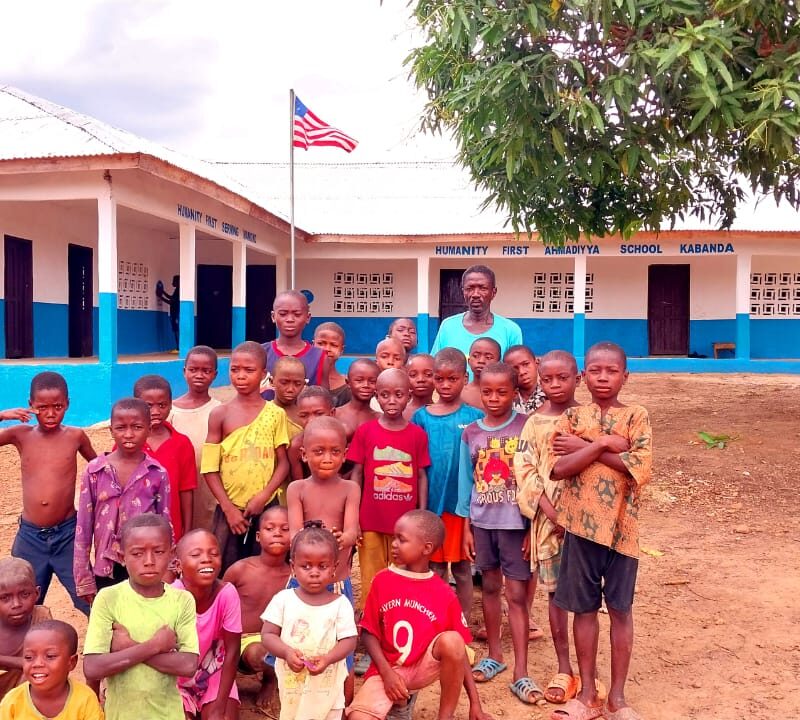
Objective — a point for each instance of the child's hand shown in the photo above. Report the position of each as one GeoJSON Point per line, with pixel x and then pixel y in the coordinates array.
{"type": "Point", "coordinates": [316, 665]}
{"type": "Point", "coordinates": [526, 547]}
{"type": "Point", "coordinates": [236, 521]}
{"type": "Point", "coordinates": [338, 535]}
{"type": "Point", "coordinates": [294, 659]}
{"type": "Point", "coordinates": [469, 543]}
{"type": "Point", "coordinates": [254, 507]}
{"type": "Point", "coordinates": [120, 638]}
{"type": "Point", "coordinates": [21, 414]}
{"type": "Point", "coordinates": [568, 444]}
{"type": "Point", "coordinates": [616, 443]}
{"type": "Point", "coordinates": [395, 687]}
{"type": "Point", "coordinates": [165, 640]}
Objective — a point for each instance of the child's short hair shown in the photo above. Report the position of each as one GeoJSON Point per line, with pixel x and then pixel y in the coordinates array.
{"type": "Point", "coordinates": [561, 356]}
{"type": "Point", "coordinates": [314, 533]}
{"type": "Point", "coordinates": [481, 270]}
{"type": "Point", "coordinates": [369, 362]}
{"type": "Point", "coordinates": [132, 403]}
{"type": "Point", "coordinates": [419, 355]}
{"type": "Point", "coordinates": [209, 352]}
{"type": "Point", "coordinates": [501, 368]}
{"type": "Point", "coordinates": [192, 533]}
{"type": "Point", "coordinates": [330, 327]}
{"type": "Point", "coordinates": [250, 347]}
{"type": "Point", "coordinates": [608, 346]}
{"type": "Point", "coordinates": [151, 382]}
{"type": "Point", "coordinates": [16, 571]}
{"type": "Point", "coordinates": [48, 380]}
{"type": "Point", "coordinates": [312, 391]}
{"type": "Point", "coordinates": [288, 362]}
{"type": "Point", "coordinates": [145, 520]}
{"type": "Point", "coordinates": [429, 524]}
{"type": "Point", "coordinates": [397, 320]}
{"type": "Point", "coordinates": [271, 511]}
{"type": "Point", "coordinates": [296, 294]}
{"type": "Point", "coordinates": [451, 357]}
{"type": "Point", "coordinates": [68, 633]}
{"type": "Point", "coordinates": [518, 348]}
{"type": "Point", "coordinates": [325, 422]}
{"type": "Point", "coordinates": [491, 341]}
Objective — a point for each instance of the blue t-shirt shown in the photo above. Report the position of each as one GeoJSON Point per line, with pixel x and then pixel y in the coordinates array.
{"type": "Point", "coordinates": [452, 333]}
{"type": "Point", "coordinates": [487, 488]}
{"type": "Point", "coordinates": [444, 447]}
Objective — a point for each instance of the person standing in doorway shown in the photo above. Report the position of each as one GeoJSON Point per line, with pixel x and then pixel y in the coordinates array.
{"type": "Point", "coordinates": [174, 303]}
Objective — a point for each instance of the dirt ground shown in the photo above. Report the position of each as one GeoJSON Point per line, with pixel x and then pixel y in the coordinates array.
{"type": "Point", "coordinates": [717, 614]}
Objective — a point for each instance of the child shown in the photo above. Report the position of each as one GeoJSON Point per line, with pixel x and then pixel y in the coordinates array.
{"type": "Point", "coordinates": [18, 614]}
{"type": "Point", "coordinates": [362, 377]}
{"type": "Point", "coordinates": [257, 579]}
{"type": "Point", "coordinates": [310, 631]}
{"type": "Point", "coordinates": [420, 373]}
{"type": "Point", "coordinates": [330, 337]}
{"type": "Point", "coordinates": [142, 633]}
{"type": "Point", "coordinates": [529, 395]}
{"type": "Point", "coordinates": [483, 351]}
{"type": "Point", "coordinates": [50, 653]}
{"type": "Point", "coordinates": [494, 530]}
{"type": "Point", "coordinates": [116, 486]}
{"type": "Point", "coordinates": [604, 453]}
{"type": "Point", "coordinates": [314, 401]}
{"type": "Point", "coordinates": [212, 691]}
{"type": "Point", "coordinates": [291, 315]}
{"type": "Point", "coordinates": [46, 535]}
{"type": "Point", "coordinates": [244, 458]}
{"type": "Point", "coordinates": [389, 353]}
{"type": "Point", "coordinates": [413, 629]}
{"type": "Point", "coordinates": [444, 422]}
{"type": "Point", "coordinates": [288, 381]}
{"type": "Point", "coordinates": [390, 457]}
{"type": "Point", "coordinates": [538, 495]}
{"type": "Point", "coordinates": [404, 330]}
{"type": "Point", "coordinates": [172, 449]}
{"type": "Point", "coordinates": [190, 416]}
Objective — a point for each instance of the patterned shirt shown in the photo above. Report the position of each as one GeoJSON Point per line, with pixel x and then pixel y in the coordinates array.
{"type": "Point", "coordinates": [602, 504]}
{"type": "Point", "coordinates": [104, 506]}
{"type": "Point", "coordinates": [532, 404]}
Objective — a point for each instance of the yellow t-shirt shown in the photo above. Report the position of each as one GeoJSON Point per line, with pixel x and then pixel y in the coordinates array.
{"type": "Point", "coordinates": [142, 693]}
{"type": "Point", "coordinates": [81, 704]}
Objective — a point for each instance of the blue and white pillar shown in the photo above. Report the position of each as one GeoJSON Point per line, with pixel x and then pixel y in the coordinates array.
{"type": "Point", "coordinates": [743, 266]}
{"type": "Point", "coordinates": [281, 275]}
{"type": "Point", "coordinates": [188, 289]}
{"type": "Point", "coordinates": [423, 312]}
{"type": "Point", "coordinates": [107, 275]}
{"type": "Point", "coordinates": [239, 320]}
{"type": "Point", "coordinates": [579, 310]}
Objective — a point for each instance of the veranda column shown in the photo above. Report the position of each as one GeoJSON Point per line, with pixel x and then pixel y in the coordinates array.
{"type": "Point", "coordinates": [188, 288]}
{"type": "Point", "coordinates": [239, 320]}
{"type": "Point", "coordinates": [107, 275]}
{"type": "Point", "coordinates": [743, 265]}
{"type": "Point", "coordinates": [423, 313]}
{"type": "Point", "coordinates": [281, 275]}
{"type": "Point", "coordinates": [579, 310]}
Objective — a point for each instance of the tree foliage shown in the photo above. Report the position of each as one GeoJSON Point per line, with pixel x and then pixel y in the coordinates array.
{"type": "Point", "coordinates": [607, 116]}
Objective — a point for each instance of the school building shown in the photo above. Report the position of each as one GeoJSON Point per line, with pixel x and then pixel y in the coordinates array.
{"type": "Point", "coordinates": [93, 217]}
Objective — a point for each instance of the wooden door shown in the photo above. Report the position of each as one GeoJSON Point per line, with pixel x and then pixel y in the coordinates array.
{"type": "Point", "coordinates": [259, 296]}
{"type": "Point", "coordinates": [668, 309]}
{"type": "Point", "coordinates": [214, 305]}
{"type": "Point", "coordinates": [81, 293]}
{"type": "Point", "coordinates": [451, 296]}
{"type": "Point", "coordinates": [19, 297]}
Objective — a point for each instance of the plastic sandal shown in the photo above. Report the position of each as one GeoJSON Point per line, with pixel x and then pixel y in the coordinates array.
{"type": "Point", "coordinates": [489, 668]}
{"type": "Point", "coordinates": [524, 688]}
{"type": "Point", "coordinates": [568, 684]}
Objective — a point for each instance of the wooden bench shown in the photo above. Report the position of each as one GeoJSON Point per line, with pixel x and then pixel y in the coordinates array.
{"type": "Point", "coordinates": [723, 346]}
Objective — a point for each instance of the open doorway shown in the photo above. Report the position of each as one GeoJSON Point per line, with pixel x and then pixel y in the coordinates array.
{"type": "Point", "coordinates": [451, 296]}
{"type": "Point", "coordinates": [668, 309]}
{"type": "Point", "coordinates": [81, 294]}
{"type": "Point", "coordinates": [18, 255]}
{"type": "Point", "coordinates": [214, 305]}
{"type": "Point", "coordinates": [259, 296]}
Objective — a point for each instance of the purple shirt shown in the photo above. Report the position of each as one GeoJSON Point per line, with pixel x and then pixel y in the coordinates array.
{"type": "Point", "coordinates": [103, 508]}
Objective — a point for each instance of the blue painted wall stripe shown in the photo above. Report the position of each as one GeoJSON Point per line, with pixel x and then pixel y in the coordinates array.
{"type": "Point", "coordinates": [743, 336]}
{"type": "Point", "coordinates": [186, 327]}
{"type": "Point", "coordinates": [107, 349]}
{"type": "Point", "coordinates": [424, 340]}
{"type": "Point", "coordinates": [238, 326]}
{"type": "Point", "coordinates": [578, 334]}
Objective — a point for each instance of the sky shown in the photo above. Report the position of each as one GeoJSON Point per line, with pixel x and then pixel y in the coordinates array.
{"type": "Point", "coordinates": [212, 79]}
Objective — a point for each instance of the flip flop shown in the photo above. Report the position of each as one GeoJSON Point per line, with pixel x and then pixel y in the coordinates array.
{"type": "Point", "coordinates": [568, 684]}
{"type": "Point", "coordinates": [524, 687]}
{"type": "Point", "coordinates": [535, 633]}
{"type": "Point", "coordinates": [575, 710]}
{"type": "Point", "coordinates": [599, 686]}
{"type": "Point", "coordinates": [361, 665]}
{"type": "Point", "coordinates": [624, 713]}
{"type": "Point", "coordinates": [489, 668]}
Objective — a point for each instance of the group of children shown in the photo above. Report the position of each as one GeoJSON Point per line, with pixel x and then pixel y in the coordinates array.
{"type": "Point", "coordinates": [404, 462]}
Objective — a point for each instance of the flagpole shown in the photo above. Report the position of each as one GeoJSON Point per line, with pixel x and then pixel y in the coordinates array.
{"type": "Point", "coordinates": [291, 182]}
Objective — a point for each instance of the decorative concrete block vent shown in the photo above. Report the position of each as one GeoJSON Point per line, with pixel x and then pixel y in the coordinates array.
{"type": "Point", "coordinates": [775, 294]}
{"type": "Point", "coordinates": [554, 293]}
{"type": "Point", "coordinates": [133, 281]}
{"type": "Point", "coordinates": [363, 293]}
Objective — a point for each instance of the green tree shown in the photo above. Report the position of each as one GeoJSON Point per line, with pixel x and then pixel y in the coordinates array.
{"type": "Point", "coordinates": [608, 116]}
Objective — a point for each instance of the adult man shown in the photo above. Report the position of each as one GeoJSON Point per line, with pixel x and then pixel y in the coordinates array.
{"type": "Point", "coordinates": [460, 331]}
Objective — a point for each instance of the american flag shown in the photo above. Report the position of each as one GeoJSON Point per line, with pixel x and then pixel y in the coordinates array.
{"type": "Point", "coordinates": [310, 130]}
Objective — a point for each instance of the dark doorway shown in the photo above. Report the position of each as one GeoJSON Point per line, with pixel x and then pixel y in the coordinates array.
{"type": "Point", "coordinates": [668, 309]}
{"type": "Point", "coordinates": [81, 291]}
{"type": "Point", "coordinates": [451, 296]}
{"type": "Point", "coordinates": [259, 296]}
{"type": "Point", "coordinates": [19, 297]}
{"type": "Point", "coordinates": [214, 305]}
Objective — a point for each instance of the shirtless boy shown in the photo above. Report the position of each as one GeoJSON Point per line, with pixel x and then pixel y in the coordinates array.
{"type": "Point", "coordinates": [47, 451]}
{"type": "Point", "coordinates": [288, 381]}
{"type": "Point", "coordinates": [390, 353]}
{"type": "Point", "coordinates": [314, 401]}
{"type": "Point", "coordinates": [244, 458]}
{"type": "Point", "coordinates": [362, 375]}
{"type": "Point", "coordinates": [257, 579]}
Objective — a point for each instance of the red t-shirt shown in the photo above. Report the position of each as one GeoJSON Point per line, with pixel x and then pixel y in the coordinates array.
{"type": "Point", "coordinates": [176, 455]}
{"type": "Point", "coordinates": [407, 610]}
{"type": "Point", "coordinates": [391, 460]}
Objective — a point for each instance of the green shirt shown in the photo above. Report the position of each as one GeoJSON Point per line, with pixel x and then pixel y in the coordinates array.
{"type": "Point", "coordinates": [142, 693]}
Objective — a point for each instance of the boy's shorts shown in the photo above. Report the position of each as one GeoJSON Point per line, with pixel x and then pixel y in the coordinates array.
{"type": "Point", "coordinates": [247, 640]}
{"type": "Point", "coordinates": [374, 554]}
{"type": "Point", "coordinates": [589, 571]}
{"type": "Point", "coordinates": [372, 699]}
{"type": "Point", "coordinates": [501, 549]}
{"type": "Point", "coordinates": [548, 572]}
{"type": "Point", "coordinates": [452, 549]}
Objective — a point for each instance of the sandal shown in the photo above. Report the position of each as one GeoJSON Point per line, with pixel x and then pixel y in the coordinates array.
{"type": "Point", "coordinates": [535, 633]}
{"type": "Point", "coordinates": [599, 686]}
{"type": "Point", "coordinates": [624, 713]}
{"type": "Point", "coordinates": [524, 688]}
{"type": "Point", "coordinates": [575, 710]}
{"type": "Point", "coordinates": [568, 684]}
{"type": "Point", "coordinates": [361, 665]}
{"type": "Point", "coordinates": [489, 668]}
